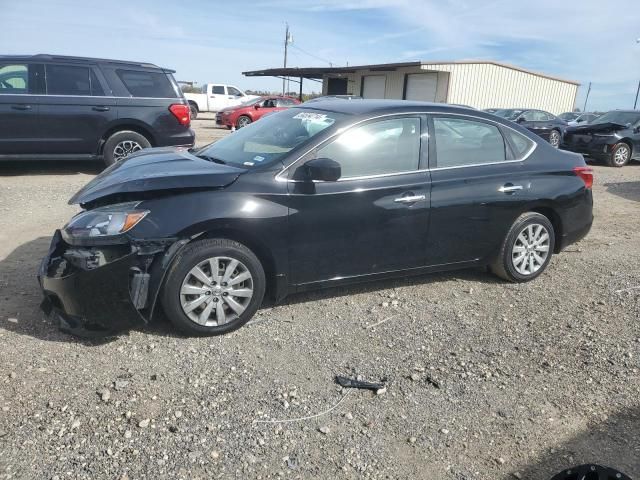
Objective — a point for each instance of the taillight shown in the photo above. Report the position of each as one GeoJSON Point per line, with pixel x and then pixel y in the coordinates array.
{"type": "Point", "coordinates": [586, 174]}
{"type": "Point", "coordinates": [182, 113]}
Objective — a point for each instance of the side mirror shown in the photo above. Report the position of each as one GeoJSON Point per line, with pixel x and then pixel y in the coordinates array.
{"type": "Point", "coordinates": [520, 120]}
{"type": "Point", "coordinates": [323, 169]}
{"type": "Point", "coordinates": [256, 106]}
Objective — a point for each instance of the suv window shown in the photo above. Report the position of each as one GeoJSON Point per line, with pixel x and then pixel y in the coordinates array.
{"type": "Point", "coordinates": [234, 91]}
{"type": "Point", "coordinates": [96, 88]}
{"type": "Point", "coordinates": [146, 84]}
{"type": "Point", "coordinates": [467, 142]}
{"type": "Point", "coordinates": [67, 80]}
{"type": "Point", "coordinates": [14, 79]}
{"type": "Point", "coordinates": [388, 146]}
{"type": "Point", "coordinates": [218, 89]}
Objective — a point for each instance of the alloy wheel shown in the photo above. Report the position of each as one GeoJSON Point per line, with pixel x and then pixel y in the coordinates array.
{"type": "Point", "coordinates": [554, 139]}
{"type": "Point", "coordinates": [216, 291]}
{"type": "Point", "coordinates": [531, 249]}
{"type": "Point", "coordinates": [621, 156]}
{"type": "Point", "coordinates": [243, 122]}
{"type": "Point", "coordinates": [125, 148]}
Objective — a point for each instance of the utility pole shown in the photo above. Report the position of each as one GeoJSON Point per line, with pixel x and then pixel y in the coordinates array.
{"type": "Point", "coordinates": [287, 40]}
{"type": "Point", "coordinates": [584, 109]}
{"type": "Point", "coordinates": [635, 104]}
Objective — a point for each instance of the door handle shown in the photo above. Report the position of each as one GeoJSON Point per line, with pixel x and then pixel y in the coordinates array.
{"type": "Point", "coordinates": [21, 107]}
{"type": "Point", "coordinates": [410, 199]}
{"type": "Point", "coordinates": [101, 109]}
{"type": "Point", "coordinates": [509, 188]}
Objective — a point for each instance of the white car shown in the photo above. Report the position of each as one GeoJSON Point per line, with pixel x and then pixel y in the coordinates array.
{"type": "Point", "coordinates": [214, 97]}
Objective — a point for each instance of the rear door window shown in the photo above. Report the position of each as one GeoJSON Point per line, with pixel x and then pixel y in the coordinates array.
{"type": "Point", "coordinates": [218, 89]}
{"type": "Point", "coordinates": [96, 87]}
{"type": "Point", "coordinates": [146, 84]}
{"type": "Point", "coordinates": [67, 80]}
{"type": "Point", "coordinates": [14, 79]}
{"type": "Point", "coordinates": [461, 142]}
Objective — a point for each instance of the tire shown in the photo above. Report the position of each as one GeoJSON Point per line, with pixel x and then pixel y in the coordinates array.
{"type": "Point", "coordinates": [185, 287]}
{"type": "Point", "coordinates": [243, 121]}
{"type": "Point", "coordinates": [121, 144]}
{"type": "Point", "coordinates": [194, 110]}
{"type": "Point", "coordinates": [620, 155]}
{"type": "Point", "coordinates": [506, 265]}
{"type": "Point", "coordinates": [555, 137]}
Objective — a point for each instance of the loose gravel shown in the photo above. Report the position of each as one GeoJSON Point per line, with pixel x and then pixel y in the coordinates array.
{"type": "Point", "coordinates": [484, 379]}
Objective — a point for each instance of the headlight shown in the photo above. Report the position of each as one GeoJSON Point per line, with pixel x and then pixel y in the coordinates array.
{"type": "Point", "coordinates": [103, 223]}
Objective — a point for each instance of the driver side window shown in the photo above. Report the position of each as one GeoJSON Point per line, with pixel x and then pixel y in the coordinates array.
{"type": "Point", "coordinates": [382, 147]}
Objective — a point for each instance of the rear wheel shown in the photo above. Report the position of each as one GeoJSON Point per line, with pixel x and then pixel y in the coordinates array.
{"type": "Point", "coordinates": [554, 138]}
{"type": "Point", "coordinates": [213, 287]}
{"type": "Point", "coordinates": [194, 110]}
{"type": "Point", "coordinates": [122, 144]}
{"type": "Point", "coordinates": [243, 121]}
{"type": "Point", "coordinates": [620, 155]}
{"type": "Point", "coordinates": [526, 250]}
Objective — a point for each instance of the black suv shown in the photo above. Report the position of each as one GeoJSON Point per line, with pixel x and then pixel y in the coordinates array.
{"type": "Point", "coordinates": [57, 107]}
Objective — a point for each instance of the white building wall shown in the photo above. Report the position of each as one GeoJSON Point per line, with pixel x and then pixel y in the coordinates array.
{"type": "Point", "coordinates": [483, 85]}
{"type": "Point", "coordinates": [479, 85]}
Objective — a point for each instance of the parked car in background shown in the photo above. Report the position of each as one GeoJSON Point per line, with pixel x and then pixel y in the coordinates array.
{"type": "Point", "coordinates": [242, 115]}
{"type": "Point", "coordinates": [542, 123]}
{"type": "Point", "coordinates": [215, 97]}
{"type": "Point", "coordinates": [613, 137]}
{"type": "Point", "coordinates": [334, 97]}
{"type": "Point", "coordinates": [314, 196]}
{"type": "Point", "coordinates": [75, 108]}
{"type": "Point", "coordinates": [576, 118]}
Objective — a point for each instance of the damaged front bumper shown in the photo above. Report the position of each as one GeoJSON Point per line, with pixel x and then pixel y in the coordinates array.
{"type": "Point", "coordinates": [97, 291]}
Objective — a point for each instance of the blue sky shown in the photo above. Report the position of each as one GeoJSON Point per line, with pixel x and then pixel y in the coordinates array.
{"type": "Point", "coordinates": [582, 40]}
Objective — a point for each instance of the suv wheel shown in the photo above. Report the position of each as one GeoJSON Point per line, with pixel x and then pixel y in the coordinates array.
{"type": "Point", "coordinates": [122, 144]}
{"type": "Point", "coordinates": [526, 250]}
{"type": "Point", "coordinates": [213, 287]}
{"type": "Point", "coordinates": [194, 110]}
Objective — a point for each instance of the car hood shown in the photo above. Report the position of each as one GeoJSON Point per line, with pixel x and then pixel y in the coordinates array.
{"type": "Point", "coordinates": [597, 128]}
{"type": "Point", "coordinates": [157, 169]}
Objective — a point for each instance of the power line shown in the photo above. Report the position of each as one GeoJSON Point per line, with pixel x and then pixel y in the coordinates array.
{"type": "Point", "coordinates": [312, 55]}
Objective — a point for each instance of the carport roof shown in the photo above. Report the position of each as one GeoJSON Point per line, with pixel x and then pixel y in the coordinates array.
{"type": "Point", "coordinates": [319, 72]}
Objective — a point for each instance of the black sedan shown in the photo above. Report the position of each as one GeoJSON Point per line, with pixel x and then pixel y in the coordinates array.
{"type": "Point", "coordinates": [545, 124]}
{"type": "Point", "coordinates": [315, 196]}
{"type": "Point", "coordinates": [613, 137]}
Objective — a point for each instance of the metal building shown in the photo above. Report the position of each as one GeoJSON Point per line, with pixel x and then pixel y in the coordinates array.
{"type": "Point", "coordinates": [479, 84]}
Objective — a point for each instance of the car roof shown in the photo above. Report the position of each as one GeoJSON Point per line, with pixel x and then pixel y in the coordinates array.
{"type": "Point", "coordinates": [362, 107]}
{"type": "Point", "coordinates": [47, 58]}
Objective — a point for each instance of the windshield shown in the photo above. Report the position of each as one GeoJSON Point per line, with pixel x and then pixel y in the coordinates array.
{"type": "Point", "coordinates": [270, 139]}
{"type": "Point", "coordinates": [569, 116]}
{"type": "Point", "coordinates": [620, 118]}
{"type": "Point", "coordinates": [252, 101]}
{"type": "Point", "coordinates": [508, 113]}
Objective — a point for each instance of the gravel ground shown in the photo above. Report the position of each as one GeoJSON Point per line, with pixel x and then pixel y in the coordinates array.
{"type": "Point", "coordinates": [485, 380]}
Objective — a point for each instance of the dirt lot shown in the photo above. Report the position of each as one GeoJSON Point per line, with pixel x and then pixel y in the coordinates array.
{"type": "Point", "coordinates": [486, 380]}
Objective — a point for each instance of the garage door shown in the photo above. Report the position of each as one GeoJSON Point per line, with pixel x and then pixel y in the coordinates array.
{"type": "Point", "coordinates": [373, 86]}
{"type": "Point", "coordinates": [421, 86]}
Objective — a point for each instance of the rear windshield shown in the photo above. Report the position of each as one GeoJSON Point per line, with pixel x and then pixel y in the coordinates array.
{"type": "Point", "coordinates": [270, 139]}
{"type": "Point", "coordinates": [147, 84]}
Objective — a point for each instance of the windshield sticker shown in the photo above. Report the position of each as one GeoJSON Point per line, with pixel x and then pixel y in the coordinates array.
{"type": "Point", "coordinates": [310, 116]}
{"type": "Point", "coordinates": [248, 164]}
{"type": "Point", "coordinates": [258, 158]}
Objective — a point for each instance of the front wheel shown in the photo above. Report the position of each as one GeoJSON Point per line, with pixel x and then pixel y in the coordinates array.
{"type": "Point", "coordinates": [213, 287]}
{"type": "Point", "coordinates": [554, 138]}
{"type": "Point", "coordinates": [526, 250]}
{"type": "Point", "coordinates": [620, 155]}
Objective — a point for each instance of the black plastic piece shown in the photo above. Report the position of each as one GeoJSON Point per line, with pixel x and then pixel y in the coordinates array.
{"type": "Point", "coordinates": [351, 383]}
{"type": "Point", "coordinates": [591, 472]}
